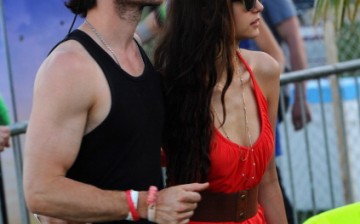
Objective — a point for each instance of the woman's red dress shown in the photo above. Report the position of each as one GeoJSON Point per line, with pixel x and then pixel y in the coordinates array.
{"type": "Point", "coordinates": [228, 172]}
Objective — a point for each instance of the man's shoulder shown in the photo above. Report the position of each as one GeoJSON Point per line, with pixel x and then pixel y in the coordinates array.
{"type": "Point", "coordinates": [276, 11]}
{"type": "Point", "coordinates": [67, 65]}
{"type": "Point", "coordinates": [278, 5]}
{"type": "Point", "coordinates": [68, 56]}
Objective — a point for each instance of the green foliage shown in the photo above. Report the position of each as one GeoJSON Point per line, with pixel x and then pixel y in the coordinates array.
{"type": "Point", "coordinates": [337, 10]}
{"type": "Point", "coordinates": [348, 40]}
{"type": "Point", "coordinates": [4, 115]}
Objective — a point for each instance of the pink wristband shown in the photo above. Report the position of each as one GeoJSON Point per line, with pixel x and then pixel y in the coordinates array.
{"type": "Point", "coordinates": [132, 209]}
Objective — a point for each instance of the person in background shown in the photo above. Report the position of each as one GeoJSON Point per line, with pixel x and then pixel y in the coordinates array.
{"type": "Point", "coordinates": [92, 150]}
{"type": "Point", "coordinates": [150, 27]}
{"type": "Point", "coordinates": [281, 17]}
{"type": "Point", "coordinates": [4, 137]}
{"type": "Point", "coordinates": [221, 106]}
{"type": "Point", "coordinates": [4, 126]}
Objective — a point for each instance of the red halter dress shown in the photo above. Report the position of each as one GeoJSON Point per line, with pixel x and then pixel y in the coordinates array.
{"type": "Point", "coordinates": [229, 172]}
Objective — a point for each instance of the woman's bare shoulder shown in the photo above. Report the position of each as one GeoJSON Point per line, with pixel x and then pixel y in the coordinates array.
{"type": "Point", "coordinates": [265, 69]}
{"type": "Point", "coordinates": [261, 63]}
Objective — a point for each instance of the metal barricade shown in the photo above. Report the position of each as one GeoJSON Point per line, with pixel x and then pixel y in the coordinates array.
{"type": "Point", "coordinates": [318, 165]}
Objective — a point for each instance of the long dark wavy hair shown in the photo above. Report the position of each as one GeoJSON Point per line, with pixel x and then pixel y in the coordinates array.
{"type": "Point", "coordinates": [80, 6]}
{"type": "Point", "coordinates": [198, 44]}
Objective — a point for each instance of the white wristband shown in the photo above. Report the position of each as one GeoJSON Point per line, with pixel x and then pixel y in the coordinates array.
{"type": "Point", "coordinates": [134, 197]}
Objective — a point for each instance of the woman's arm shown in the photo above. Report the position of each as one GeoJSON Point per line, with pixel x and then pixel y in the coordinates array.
{"type": "Point", "coordinates": [267, 72]}
{"type": "Point", "coordinates": [270, 196]}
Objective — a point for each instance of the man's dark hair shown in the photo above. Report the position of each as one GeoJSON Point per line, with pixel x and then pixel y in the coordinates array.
{"type": "Point", "coordinates": [80, 7]}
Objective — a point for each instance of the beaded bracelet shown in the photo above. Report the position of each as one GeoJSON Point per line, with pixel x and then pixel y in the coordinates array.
{"type": "Point", "coordinates": [151, 202]}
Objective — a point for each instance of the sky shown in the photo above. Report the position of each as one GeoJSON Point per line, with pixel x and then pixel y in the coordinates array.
{"type": "Point", "coordinates": [32, 28]}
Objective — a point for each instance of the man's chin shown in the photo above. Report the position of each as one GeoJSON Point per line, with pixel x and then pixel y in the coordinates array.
{"type": "Point", "coordinates": [142, 3]}
{"type": "Point", "coordinates": [154, 4]}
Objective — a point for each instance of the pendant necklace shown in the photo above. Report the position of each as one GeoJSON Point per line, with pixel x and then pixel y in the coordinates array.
{"type": "Point", "coordinates": [246, 122]}
{"type": "Point", "coordinates": [101, 38]}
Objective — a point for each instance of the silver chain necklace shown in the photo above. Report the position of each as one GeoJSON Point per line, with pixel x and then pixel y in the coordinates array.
{"type": "Point", "coordinates": [102, 40]}
{"type": "Point", "coordinates": [246, 119]}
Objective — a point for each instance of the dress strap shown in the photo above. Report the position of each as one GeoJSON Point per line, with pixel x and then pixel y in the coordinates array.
{"type": "Point", "coordinates": [261, 100]}
{"type": "Point", "coordinates": [247, 66]}
{"type": "Point", "coordinates": [257, 89]}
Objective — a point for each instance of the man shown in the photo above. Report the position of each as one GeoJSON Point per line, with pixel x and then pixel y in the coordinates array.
{"type": "Point", "coordinates": [280, 15]}
{"type": "Point", "coordinates": [95, 128]}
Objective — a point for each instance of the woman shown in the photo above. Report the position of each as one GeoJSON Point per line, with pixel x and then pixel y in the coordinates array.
{"type": "Point", "coordinates": [221, 105]}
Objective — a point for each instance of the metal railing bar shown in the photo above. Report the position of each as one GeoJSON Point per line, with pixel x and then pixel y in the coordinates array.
{"type": "Point", "coordinates": [18, 128]}
{"type": "Point", "coordinates": [308, 153]}
{"type": "Point", "coordinates": [326, 141]}
{"type": "Point", "coordinates": [319, 72]}
{"type": "Point", "coordinates": [346, 147]}
{"type": "Point", "coordinates": [289, 160]}
{"type": "Point", "coordinates": [356, 78]}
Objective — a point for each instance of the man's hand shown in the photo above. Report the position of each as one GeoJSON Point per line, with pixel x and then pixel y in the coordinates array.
{"type": "Point", "coordinates": [175, 205]}
{"type": "Point", "coordinates": [297, 117]}
{"type": "Point", "coordinates": [4, 137]}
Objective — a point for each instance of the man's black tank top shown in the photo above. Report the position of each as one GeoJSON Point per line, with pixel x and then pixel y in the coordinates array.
{"type": "Point", "coordinates": [123, 152]}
